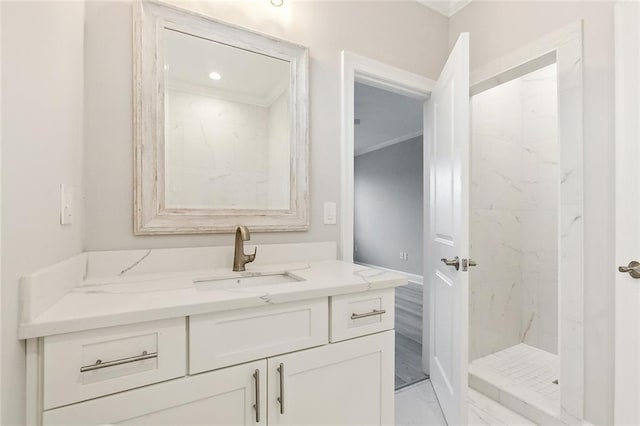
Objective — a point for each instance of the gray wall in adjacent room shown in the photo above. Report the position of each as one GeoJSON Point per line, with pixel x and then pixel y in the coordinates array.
{"type": "Point", "coordinates": [388, 207]}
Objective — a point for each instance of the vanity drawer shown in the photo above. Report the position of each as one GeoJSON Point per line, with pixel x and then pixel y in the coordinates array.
{"type": "Point", "coordinates": [226, 338]}
{"type": "Point", "coordinates": [354, 315]}
{"type": "Point", "coordinates": [84, 365]}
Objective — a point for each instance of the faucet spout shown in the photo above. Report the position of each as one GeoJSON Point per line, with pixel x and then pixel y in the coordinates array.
{"type": "Point", "coordinates": [239, 257]}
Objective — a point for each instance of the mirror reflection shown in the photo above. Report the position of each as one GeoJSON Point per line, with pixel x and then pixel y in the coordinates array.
{"type": "Point", "coordinates": [227, 127]}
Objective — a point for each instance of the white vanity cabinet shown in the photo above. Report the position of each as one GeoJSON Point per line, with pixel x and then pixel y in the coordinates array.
{"type": "Point", "coordinates": [290, 371]}
{"type": "Point", "coordinates": [348, 383]}
{"type": "Point", "coordinates": [224, 397]}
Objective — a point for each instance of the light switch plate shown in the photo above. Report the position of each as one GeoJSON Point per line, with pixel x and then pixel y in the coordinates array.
{"type": "Point", "coordinates": [330, 213]}
{"type": "Point", "coordinates": [66, 204]}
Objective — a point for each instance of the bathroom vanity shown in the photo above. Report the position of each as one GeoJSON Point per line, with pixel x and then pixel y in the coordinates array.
{"type": "Point", "coordinates": [115, 340]}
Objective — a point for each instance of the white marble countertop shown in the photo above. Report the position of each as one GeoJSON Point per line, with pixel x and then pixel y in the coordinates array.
{"type": "Point", "coordinates": [119, 300]}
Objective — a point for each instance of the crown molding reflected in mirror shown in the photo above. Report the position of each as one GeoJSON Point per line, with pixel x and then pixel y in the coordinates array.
{"type": "Point", "coordinates": [220, 128]}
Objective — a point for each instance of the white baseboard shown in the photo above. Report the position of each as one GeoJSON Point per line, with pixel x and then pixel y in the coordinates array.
{"type": "Point", "coordinates": [417, 279]}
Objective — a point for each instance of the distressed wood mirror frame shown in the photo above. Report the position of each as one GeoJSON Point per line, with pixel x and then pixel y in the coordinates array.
{"type": "Point", "coordinates": [151, 216]}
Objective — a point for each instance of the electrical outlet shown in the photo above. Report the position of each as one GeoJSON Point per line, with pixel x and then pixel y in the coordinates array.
{"type": "Point", "coordinates": [406, 256]}
{"type": "Point", "coordinates": [401, 256]}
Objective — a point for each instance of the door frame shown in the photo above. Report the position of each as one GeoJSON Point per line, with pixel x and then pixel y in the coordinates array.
{"type": "Point", "coordinates": [360, 69]}
{"type": "Point", "coordinates": [564, 47]}
{"type": "Point", "coordinates": [627, 111]}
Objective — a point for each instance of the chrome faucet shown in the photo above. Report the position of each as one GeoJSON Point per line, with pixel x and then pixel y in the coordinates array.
{"type": "Point", "coordinates": [239, 258]}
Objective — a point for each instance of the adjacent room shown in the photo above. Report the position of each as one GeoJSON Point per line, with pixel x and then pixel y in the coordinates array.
{"type": "Point", "coordinates": [388, 202]}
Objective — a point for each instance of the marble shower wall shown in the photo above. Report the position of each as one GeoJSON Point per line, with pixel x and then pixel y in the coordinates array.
{"type": "Point", "coordinates": [226, 154]}
{"type": "Point", "coordinates": [514, 215]}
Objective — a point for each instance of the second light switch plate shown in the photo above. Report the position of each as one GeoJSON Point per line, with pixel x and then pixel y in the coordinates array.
{"type": "Point", "coordinates": [330, 213]}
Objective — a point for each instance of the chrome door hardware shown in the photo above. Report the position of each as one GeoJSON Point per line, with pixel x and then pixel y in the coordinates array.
{"type": "Point", "coordinates": [99, 364]}
{"type": "Point", "coordinates": [467, 263]}
{"type": "Point", "coordinates": [455, 262]}
{"type": "Point", "coordinates": [633, 269]}
{"type": "Point", "coordinates": [459, 264]}
{"type": "Point", "coordinates": [256, 376]}
{"type": "Point", "coordinates": [280, 399]}
{"type": "Point", "coordinates": [368, 314]}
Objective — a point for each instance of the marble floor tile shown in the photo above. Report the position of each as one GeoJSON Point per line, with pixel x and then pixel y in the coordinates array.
{"type": "Point", "coordinates": [485, 411]}
{"type": "Point", "coordinates": [417, 405]}
{"type": "Point", "coordinates": [530, 374]}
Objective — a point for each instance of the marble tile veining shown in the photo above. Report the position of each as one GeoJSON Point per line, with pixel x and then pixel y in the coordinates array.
{"type": "Point", "coordinates": [417, 405]}
{"type": "Point", "coordinates": [514, 215]}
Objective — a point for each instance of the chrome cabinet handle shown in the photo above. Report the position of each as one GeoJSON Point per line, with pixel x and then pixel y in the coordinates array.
{"type": "Point", "coordinates": [99, 364]}
{"type": "Point", "coordinates": [280, 399]}
{"type": "Point", "coordinates": [633, 269]}
{"type": "Point", "coordinates": [256, 406]}
{"type": "Point", "coordinates": [455, 262]}
{"type": "Point", "coordinates": [368, 314]}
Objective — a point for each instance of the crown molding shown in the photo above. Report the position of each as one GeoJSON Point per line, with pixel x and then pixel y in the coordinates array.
{"type": "Point", "coordinates": [447, 8]}
{"type": "Point", "coordinates": [390, 142]}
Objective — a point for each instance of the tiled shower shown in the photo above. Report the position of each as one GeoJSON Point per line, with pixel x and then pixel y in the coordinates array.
{"type": "Point", "coordinates": [514, 214]}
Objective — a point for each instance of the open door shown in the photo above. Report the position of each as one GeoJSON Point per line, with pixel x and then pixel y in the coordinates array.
{"type": "Point", "coordinates": [447, 231]}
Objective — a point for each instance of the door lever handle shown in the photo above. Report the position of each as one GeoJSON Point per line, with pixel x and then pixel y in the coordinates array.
{"type": "Point", "coordinates": [633, 269]}
{"type": "Point", "coordinates": [455, 262]}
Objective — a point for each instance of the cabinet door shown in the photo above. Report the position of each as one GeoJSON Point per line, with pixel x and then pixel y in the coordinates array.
{"type": "Point", "coordinates": [223, 397]}
{"type": "Point", "coordinates": [347, 383]}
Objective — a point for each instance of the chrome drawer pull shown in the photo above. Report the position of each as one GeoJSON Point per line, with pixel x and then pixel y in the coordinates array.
{"type": "Point", "coordinates": [368, 314]}
{"type": "Point", "coordinates": [99, 364]}
{"type": "Point", "coordinates": [280, 399]}
{"type": "Point", "coordinates": [256, 406]}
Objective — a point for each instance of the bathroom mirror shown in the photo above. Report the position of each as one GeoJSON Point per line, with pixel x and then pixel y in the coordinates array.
{"type": "Point", "coordinates": [221, 128]}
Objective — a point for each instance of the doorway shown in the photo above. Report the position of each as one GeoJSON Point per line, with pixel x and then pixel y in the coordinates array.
{"type": "Point", "coordinates": [388, 209]}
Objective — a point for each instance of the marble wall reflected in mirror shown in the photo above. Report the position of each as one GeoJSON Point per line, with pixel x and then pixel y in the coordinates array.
{"type": "Point", "coordinates": [221, 126]}
{"type": "Point", "coordinates": [227, 142]}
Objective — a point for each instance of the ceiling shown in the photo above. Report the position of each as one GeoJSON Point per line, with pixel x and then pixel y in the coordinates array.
{"type": "Point", "coordinates": [447, 8]}
{"type": "Point", "coordinates": [385, 118]}
{"type": "Point", "coordinates": [245, 75]}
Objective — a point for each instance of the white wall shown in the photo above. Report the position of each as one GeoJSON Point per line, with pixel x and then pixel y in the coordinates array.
{"type": "Point", "coordinates": [499, 27]}
{"type": "Point", "coordinates": [404, 34]}
{"type": "Point", "coordinates": [42, 147]}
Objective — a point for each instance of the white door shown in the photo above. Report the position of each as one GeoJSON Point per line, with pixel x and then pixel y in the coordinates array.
{"type": "Point", "coordinates": [447, 221]}
{"type": "Point", "coordinates": [627, 288]}
{"type": "Point", "coordinates": [223, 397]}
{"type": "Point", "coordinates": [347, 383]}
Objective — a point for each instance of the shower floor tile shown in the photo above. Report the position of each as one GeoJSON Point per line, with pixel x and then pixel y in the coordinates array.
{"type": "Point", "coordinates": [521, 377]}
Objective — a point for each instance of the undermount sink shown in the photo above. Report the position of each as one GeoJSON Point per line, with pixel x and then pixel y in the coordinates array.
{"type": "Point", "coordinates": [225, 283]}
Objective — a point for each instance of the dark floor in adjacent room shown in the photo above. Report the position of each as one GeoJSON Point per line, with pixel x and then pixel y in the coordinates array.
{"type": "Point", "coordinates": [408, 335]}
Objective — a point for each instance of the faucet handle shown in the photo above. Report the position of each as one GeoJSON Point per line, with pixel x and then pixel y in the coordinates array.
{"type": "Point", "coordinates": [252, 257]}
